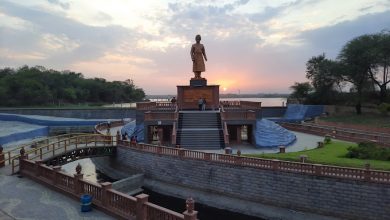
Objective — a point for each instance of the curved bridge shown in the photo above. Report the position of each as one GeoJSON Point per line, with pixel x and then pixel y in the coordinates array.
{"type": "Point", "coordinates": [76, 154]}
{"type": "Point", "coordinates": [68, 149]}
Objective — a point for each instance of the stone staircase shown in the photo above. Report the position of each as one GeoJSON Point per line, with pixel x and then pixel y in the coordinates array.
{"type": "Point", "coordinates": [200, 130]}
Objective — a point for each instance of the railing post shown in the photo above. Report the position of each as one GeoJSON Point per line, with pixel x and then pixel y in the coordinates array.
{"type": "Point", "coordinates": [77, 183]}
{"type": "Point", "coordinates": [367, 172]}
{"type": "Point", "coordinates": [275, 164]}
{"type": "Point", "coordinates": [56, 169]}
{"type": "Point", "coordinates": [237, 159]}
{"type": "Point", "coordinates": [207, 156]}
{"type": "Point", "coordinates": [181, 152]}
{"type": "Point", "coordinates": [118, 137]}
{"type": "Point", "coordinates": [37, 165]}
{"type": "Point", "coordinates": [105, 198]}
{"type": "Point", "coordinates": [190, 213]}
{"type": "Point", "coordinates": [317, 169]}
{"type": "Point", "coordinates": [140, 208]}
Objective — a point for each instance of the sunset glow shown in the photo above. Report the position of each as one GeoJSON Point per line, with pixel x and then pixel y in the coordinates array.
{"type": "Point", "coordinates": [252, 46]}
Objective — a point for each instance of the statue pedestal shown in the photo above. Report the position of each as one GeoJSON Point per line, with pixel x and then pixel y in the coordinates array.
{"type": "Point", "coordinates": [197, 82]}
{"type": "Point", "coordinates": [188, 96]}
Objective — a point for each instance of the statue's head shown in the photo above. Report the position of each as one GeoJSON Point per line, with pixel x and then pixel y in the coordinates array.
{"type": "Point", "coordinates": [198, 38]}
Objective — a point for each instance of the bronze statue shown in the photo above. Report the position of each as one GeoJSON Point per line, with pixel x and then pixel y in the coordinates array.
{"type": "Point", "coordinates": [197, 54]}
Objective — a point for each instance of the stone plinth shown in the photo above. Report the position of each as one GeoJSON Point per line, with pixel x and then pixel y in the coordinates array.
{"type": "Point", "coordinates": [188, 96]}
{"type": "Point", "coordinates": [198, 82]}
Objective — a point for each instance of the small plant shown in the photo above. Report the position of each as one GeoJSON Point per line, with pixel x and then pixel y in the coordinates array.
{"type": "Point", "coordinates": [327, 139]}
{"type": "Point", "coordinates": [384, 108]}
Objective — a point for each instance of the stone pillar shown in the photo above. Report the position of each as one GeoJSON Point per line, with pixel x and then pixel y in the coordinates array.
{"type": "Point", "coordinates": [37, 165]}
{"type": "Point", "coordinates": [190, 213]}
{"type": "Point", "coordinates": [160, 135]}
{"type": "Point", "coordinates": [56, 169]}
{"type": "Point", "coordinates": [21, 158]}
{"type": "Point", "coordinates": [238, 134]}
{"type": "Point", "coordinates": [367, 172]}
{"type": "Point", "coordinates": [78, 190]}
{"type": "Point", "coordinates": [118, 137]}
{"type": "Point", "coordinates": [2, 157]}
{"type": "Point", "coordinates": [181, 152]}
{"type": "Point", "coordinates": [140, 208]}
{"type": "Point", "coordinates": [105, 197]}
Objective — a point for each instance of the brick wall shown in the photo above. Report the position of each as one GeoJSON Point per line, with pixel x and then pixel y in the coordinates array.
{"type": "Point", "coordinates": [322, 195]}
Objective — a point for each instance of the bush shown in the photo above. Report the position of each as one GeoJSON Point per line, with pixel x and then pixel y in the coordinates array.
{"type": "Point", "coordinates": [384, 108]}
{"type": "Point", "coordinates": [327, 139]}
{"type": "Point", "coordinates": [367, 150]}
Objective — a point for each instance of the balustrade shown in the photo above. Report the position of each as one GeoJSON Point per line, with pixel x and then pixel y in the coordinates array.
{"type": "Point", "coordinates": [287, 166]}
{"type": "Point", "coordinates": [112, 201]}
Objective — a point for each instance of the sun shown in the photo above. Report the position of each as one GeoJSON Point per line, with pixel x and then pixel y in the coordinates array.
{"type": "Point", "coordinates": [224, 89]}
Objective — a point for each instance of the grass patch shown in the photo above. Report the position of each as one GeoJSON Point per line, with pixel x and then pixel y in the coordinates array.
{"type": "Point", "coordinates": [375, 120]}
{"type": "Point", "coordinates": [333, 153]}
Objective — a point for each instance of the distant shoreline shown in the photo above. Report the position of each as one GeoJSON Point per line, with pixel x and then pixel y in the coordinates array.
{"type": "Point", "coordinates": [265, 95]}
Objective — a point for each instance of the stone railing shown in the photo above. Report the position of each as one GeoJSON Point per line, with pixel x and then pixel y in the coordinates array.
{"type": "Point", "coordinates": [366, 174]}
{"type": "Point", "coordinates": [157, 116]}
{"type": "Point", "coordinates": [241, 115]}
{"type": "Point", "coordinates": [381, 139]}
{"type": "Point", "coordinates": [240, 105]}
{"type": "Point", "coordinates": [162, 106]}
{"type": "Point", "coordinates": [111, 201]}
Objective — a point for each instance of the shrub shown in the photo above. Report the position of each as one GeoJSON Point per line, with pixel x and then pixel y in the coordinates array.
{"type": "Point", "coordinates": [367, 150]}
{"type": "Point", "coordinates": [384, 108]}
{"type": "Point", "coordinates": [327, 139]}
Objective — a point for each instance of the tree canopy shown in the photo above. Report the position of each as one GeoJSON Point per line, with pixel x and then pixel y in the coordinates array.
{"type": "Point", "coordinates": [34, 86]}
{"type": "Point", "coordinates": [363, 64]}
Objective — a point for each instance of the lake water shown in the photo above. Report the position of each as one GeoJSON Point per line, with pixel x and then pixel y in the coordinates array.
{"type": "Point", "coordinates": [264, 102]}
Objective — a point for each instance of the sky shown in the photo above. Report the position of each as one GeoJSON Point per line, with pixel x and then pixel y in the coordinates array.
{"type": "Point", "coordinates": [252, 46]}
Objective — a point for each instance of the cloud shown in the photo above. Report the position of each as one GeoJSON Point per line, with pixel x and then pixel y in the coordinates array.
{"type": "Point", "coordinates": [252, 46]}
{"type": "Point", "coordinates": [331, 39]}
{"type": "Point", "coordinates": [59, 3]}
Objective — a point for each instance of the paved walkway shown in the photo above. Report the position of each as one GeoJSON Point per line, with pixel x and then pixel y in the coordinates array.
{"type": "Point", "coordinates": [22, 198]}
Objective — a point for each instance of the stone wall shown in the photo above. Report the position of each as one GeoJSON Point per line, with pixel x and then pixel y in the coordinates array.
{"type": "Point", "coordinates": [88, 113]}
{"type": "Point", "coordinates": [321, 195]}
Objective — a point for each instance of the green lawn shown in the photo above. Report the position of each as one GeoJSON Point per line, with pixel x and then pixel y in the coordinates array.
{"type": "Point", "coordinates": [332, 154]}
{"type": "Point", "coordinates": [374, 120]}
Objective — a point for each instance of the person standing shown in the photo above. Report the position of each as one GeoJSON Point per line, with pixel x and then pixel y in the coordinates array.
{"type": "Point", "coordinates": [203, 104]}
{"type": "Point", "coordinates": [200, 103]}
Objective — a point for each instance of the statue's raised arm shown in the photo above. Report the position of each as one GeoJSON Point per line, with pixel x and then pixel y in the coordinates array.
{"type": "Point", "coordinates": [197, 54]}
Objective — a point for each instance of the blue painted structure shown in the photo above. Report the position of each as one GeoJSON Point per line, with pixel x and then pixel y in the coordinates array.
{"type": "Point", "coordinates": [133, 129]}
{"type": "Point", "coordinates": [298, 113]}
{"type": "Point", "coordinates": [270, 134]}
{"type": "Point", "coordinates": [49, 122]}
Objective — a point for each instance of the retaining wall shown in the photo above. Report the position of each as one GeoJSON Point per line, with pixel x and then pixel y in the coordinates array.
{"type": "Point", "coordinates": [24, 135]}
{"type": "Point", "coordinates": [317, 194]}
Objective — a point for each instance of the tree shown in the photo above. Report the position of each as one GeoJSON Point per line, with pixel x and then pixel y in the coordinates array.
{"type": "Point", "coordinates": [379, 69]}
{"type": "Point", "coordinates": [39, 86]}
{"type": "Point", "coordinates": [356, 59]}
{"type": "Point", "coordinates": [301, 91]}
{"type": "Point", "coordinates": [325, 77]}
